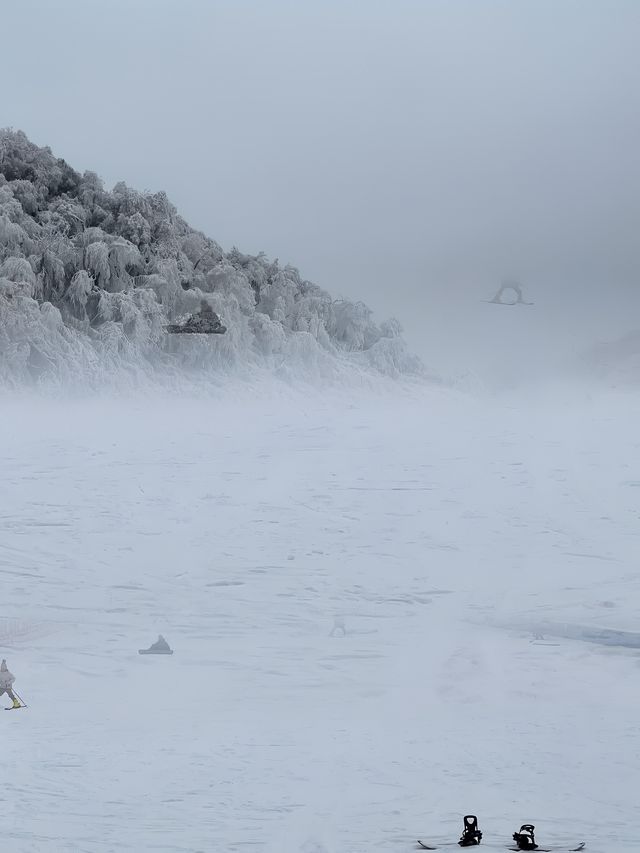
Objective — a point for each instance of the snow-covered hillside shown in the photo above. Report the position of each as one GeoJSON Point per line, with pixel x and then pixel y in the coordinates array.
{"type": "Point", "coordinates": [89, 279]}
{"type": "Point", "coordinates": [444, 535]}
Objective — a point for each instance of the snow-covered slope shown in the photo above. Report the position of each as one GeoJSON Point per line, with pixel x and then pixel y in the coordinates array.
{"type": "Point", "coordinates": [89, 280]}
{"type": "Point", "coordinates": [439, 531]}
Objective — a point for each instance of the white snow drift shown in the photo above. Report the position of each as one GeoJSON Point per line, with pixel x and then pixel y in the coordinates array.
{"type": "Point", "coordinates": [245, 534]}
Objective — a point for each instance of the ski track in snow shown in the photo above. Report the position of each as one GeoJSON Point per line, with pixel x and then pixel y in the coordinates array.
{"type": "Point", "coordinates": [437, 531]}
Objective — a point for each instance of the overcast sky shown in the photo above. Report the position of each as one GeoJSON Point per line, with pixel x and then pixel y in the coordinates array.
{"type": "Point", "coordinates": [410, 153]}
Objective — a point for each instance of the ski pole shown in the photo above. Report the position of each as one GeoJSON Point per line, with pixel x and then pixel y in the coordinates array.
{"type": "Point", "coordinates": [21, 700]}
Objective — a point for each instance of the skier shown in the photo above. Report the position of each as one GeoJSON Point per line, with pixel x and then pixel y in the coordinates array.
{"type": "Point", "coordinates": [6, 681]}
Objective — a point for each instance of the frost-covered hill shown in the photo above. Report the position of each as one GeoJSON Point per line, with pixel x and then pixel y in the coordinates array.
{"type": "Point", "coordinates": [90, 278]}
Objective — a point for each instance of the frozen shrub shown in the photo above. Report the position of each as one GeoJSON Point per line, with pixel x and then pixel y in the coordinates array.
{"type": "Point", "coordinates": [18, 270]}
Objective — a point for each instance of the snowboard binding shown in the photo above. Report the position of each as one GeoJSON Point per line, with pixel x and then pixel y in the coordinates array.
{"type": "Point", "coordinates": [525, 839]}
{"type": "Point", "coordinates": [471, 835]}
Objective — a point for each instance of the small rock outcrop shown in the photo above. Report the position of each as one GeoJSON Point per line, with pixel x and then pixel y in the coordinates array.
{"type": "Point", "coordinates": [203, 322]}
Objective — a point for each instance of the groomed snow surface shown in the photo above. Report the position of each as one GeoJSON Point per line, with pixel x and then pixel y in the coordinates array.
{"type": "Point", "coordinates": [440, 530]}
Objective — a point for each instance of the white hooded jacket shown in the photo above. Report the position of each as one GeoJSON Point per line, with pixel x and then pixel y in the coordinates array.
{"type": "Point", "coordinates": [6, 678]}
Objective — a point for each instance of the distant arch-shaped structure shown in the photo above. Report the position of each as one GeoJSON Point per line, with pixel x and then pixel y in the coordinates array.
{"type": "Point", "coordinates": [509, 293]}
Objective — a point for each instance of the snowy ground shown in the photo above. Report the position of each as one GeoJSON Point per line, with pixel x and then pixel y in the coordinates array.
{"type": "Point", "coordinates": [441, 530]}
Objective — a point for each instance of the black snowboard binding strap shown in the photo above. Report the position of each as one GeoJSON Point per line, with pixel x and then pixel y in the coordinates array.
{"type": "Point", "coordinates": [471, 835]}
{"type": "Point", "coordinates": [525, 839]}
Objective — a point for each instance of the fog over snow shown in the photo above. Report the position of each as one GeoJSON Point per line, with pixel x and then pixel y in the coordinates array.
{"type": "Point", "coordinates": [388, 527]}
{"type": "Point", "coordinates": [409, 155]}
